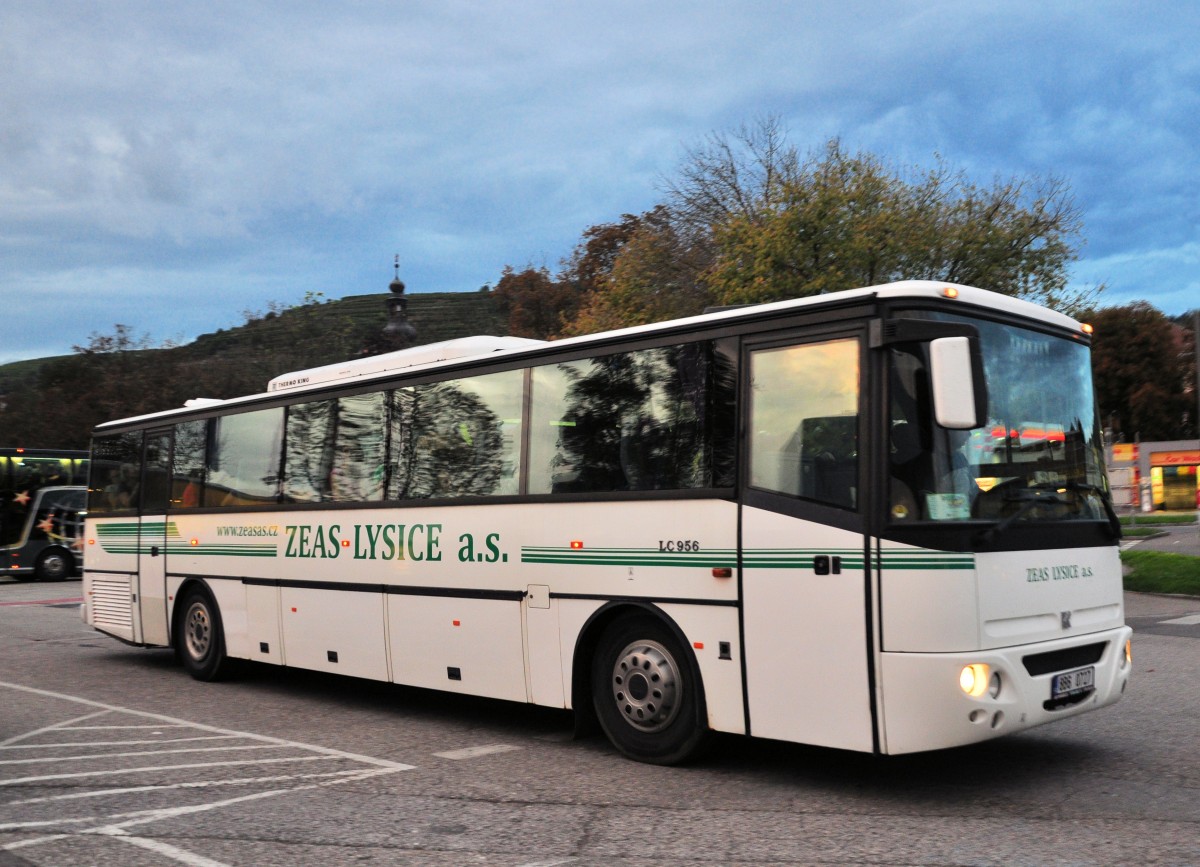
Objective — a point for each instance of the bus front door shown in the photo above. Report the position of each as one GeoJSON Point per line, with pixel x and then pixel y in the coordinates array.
{"type": "Point", "coordinates": [155, 527]}
{"type": "Point", "coordinates": [804, 596]}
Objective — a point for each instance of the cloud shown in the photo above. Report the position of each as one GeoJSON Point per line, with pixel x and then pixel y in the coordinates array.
{"type": "Point", "coordinates": [1156, 271]}
{"type": "Point", "coordinates": [252, 152]}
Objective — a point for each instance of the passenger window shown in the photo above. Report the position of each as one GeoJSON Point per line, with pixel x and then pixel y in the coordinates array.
{"type": "Point", "coordinates": [187, 464]}
{"type": "Point", "coordinates": [335, 450]}
{"type": "Point", "coordinates": [458, 438]}
{"type": "Point", "coordinates": [359, 448]}
{"type": "Point", "coordinates": [804, 421]}
{"type": "Point", "coordinates": [156, 473]}
{"type": "Point", "coordinates": [308, 466]}
{"type": "Point", "coordinates": [243, 465]}
{"type": "Point", "coordinates": [116, 470]}
{"type": "Point", "coordinates": [655, 419]}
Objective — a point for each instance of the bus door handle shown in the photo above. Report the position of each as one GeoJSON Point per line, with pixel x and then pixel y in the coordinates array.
{"type": "Point", "coordinates": [823, 564]}
{"type": "Point", "coordinates": [153, 550]}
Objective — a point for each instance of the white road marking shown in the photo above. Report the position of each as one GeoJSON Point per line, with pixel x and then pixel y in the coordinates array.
{"type": "Point", "coordinates": [119, 830]}
{"type": "Point", "coordinates": [44, 759]}
{"type": "Point", "coordinates": [138, 817]}
{"type": "Point", "coordinates": [1190, 620]}
{"type": "Point", "coordinates": [473, 752]}
{"type": "Point", "coordinates": [46, 823]}
{"type": "Point", "coordinates": [118, 743]}
{"type": "Point", "coordinates": [81, 774]}
{"type": "Point", "coordinates": [36, 732]}
{"type": "Point", "coordinates": [169, 851]}
{"type": "Point", "coordinates": [199, 784]}
{"type": "Point", "coordinates": [72, 728]}
{"type": "Point", "coordinates": [370, 760]}
{"type": "Point", "coordinates": [33, 841]}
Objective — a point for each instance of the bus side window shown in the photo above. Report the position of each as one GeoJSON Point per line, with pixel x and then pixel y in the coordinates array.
{"type": "Point", "coordinates": [187, 469]}
{"type": "Point", "coordinates": [308, 461]}
{"type": "Point", "coordinates": [653, 419]}
{"type": "Point", "coordinates": [156, 473]}
{"type": "Point", "coordinates": [244, 459]}
{"type": "Point", "coordinates": [804, 421]}
{"type": "Point", "coordinates": [359, 453]}
{"type": "Point", "coordinates": [457, 438]}
{"type": "Point", "coordinates": [116, 465]}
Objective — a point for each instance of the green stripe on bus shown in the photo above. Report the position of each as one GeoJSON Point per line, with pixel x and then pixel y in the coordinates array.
{"type": "Point", "coordinates": [169, 529]}
{"type": "Point", "coordinates": [762, 558]}
{"type": "Point", "coordinates": [196, 550]}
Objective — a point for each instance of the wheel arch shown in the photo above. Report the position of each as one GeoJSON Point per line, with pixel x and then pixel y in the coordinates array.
{"type": "Point", "coordinates": [585, 648]}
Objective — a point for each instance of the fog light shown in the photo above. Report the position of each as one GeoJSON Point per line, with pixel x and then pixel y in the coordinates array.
{"type": "Point", "coordinates": [1128, 652]}
{"type": "Point", "coordinates": [974, 679]}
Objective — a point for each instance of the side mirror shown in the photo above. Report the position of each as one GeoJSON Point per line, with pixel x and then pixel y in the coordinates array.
{"type": "Point", "coordinates": [959, 389]}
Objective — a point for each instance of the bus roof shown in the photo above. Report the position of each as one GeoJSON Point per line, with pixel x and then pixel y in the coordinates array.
{"type": "Point", "coordinates": [429, 353]}
{"type": "Point", "coordinates": [435, 355]}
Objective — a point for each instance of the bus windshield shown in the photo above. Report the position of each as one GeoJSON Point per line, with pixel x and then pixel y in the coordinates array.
{"type": "Point", "coordinates": [1040, 456]}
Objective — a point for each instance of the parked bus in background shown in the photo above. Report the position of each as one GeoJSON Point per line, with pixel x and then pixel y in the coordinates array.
{"type": "Point", "coordinates": [875, 520]}
{"type": "Point", "coordinates": [41, 512]}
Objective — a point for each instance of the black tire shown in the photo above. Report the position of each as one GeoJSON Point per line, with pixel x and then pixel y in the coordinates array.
{"type": "Point", "coordinates": [647, 693]}
{"type": "Point", "coordinates": [199, 638]}
{"type": "Point", "coordinates": [54, 564]}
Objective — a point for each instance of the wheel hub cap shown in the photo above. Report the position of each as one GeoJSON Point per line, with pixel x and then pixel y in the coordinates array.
{"type": "Point", "coordinates": [197, 631]}
{"type": "Point", "coordinates": [645, 686]}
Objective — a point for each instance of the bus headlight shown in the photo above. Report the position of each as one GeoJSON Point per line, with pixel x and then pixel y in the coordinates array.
{"type": "Point", "coordinates": [974, 679]}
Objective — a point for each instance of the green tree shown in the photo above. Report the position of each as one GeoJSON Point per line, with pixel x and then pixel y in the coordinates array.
{"type": "Point", "coordinates": [535, 303]}
{"type": "Point", "coordinates": [1139, 359]}
{"type": "Point", "coordinates": [655, 273]}
{"type": "Point", "coordinates": [844, 220]}
{"type": "Point", "coordinates": [591, 263]}
{"type": "Point", "coordinates": [748, 220]}
{"type": "Point", "coordinates": [113, 376]}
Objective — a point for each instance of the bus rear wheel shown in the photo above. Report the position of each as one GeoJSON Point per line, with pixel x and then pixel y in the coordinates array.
{"type": "Point", "coordinates": [199, 640]}
{"type": "Point", "coordinates": [647, 694]}
{"type": "Point", "coordinates": [53, 565]}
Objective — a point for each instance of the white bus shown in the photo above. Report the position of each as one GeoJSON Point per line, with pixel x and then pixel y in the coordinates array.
{"type": "Point", "coordinates": [873, 520]}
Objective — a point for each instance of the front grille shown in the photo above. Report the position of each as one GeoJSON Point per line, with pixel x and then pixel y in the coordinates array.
{"type": "Point", "coordinates": [1064, 660]}
{"type": "Point", "coordinates": [112, 603]}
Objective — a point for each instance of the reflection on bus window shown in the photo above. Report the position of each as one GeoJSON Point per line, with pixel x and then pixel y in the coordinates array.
{"type": "Point", "coordinates": [187, 471]}
{"type": "Point", "coordinates": [1038, 458]}
{"type": "Point", "coordinates": [115, 473]}
{"type": "Point", "coordinates": [457, 438]}
{"type": "Point", "coordinates": [804, 421]}
{"type": "Point", "coordinates": [156, 473]}
{"type": "Point", "coordinates": [655, 419]}
{"type": "Point", "coordinates": [336, 450]}
{"type": "Point", "coordinates": [244, 460]}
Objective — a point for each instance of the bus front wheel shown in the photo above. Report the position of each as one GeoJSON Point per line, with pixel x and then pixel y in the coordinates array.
{"type": "Point", "coordinates": [199, 641]}
{"type": "Point", "coordinates": [647, 694]}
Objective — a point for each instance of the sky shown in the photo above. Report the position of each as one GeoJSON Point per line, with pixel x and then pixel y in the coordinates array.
{"type": "Point", "coordinates": [168, 166]}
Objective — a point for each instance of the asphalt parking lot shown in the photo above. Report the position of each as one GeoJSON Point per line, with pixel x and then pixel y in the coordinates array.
{"type": "Point", "coordinates": [110, 754]}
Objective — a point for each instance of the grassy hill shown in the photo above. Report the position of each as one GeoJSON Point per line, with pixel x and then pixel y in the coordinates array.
{"type": "Point", "coordinates": [350, 322]}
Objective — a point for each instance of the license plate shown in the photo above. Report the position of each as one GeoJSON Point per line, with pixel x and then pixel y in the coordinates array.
{"type": "Point", "coordinates": [1071, 682]}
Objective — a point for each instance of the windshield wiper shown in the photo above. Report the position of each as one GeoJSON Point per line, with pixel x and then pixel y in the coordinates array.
{"type": "Point", "coordinates": [1114, 523]}
{"type": "Point", "coordinates": [1048, 493]}
{"type": "Point", "coordinates": [1028, 498]}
